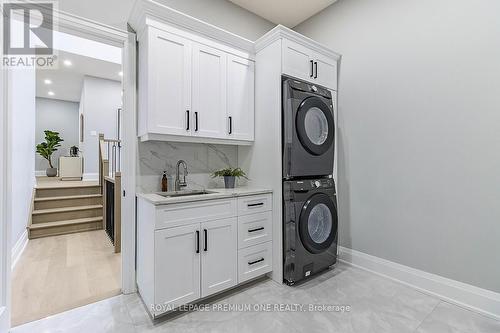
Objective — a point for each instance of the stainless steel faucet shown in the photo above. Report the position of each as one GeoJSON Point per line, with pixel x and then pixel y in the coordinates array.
{"type": "Point", "coordinates": [178, 182]}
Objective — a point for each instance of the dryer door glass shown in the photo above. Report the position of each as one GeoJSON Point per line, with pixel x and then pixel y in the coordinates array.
{"type": "Point", "coordinates": [315, 126]}
{"type": "Point", "coordinates": [318, 223]}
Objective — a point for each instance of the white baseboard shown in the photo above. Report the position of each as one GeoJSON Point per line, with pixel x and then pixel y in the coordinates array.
{"type": "Point", "coordinates": [462, 294]}
{"type": "Point", "coordinates": [18, 248]}
{"type": "Point", "coordinates": [90, 176]}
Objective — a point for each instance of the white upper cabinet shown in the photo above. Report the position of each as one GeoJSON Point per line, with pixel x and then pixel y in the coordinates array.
{"type": "Point", "coordinates": [297, 60]}
{"type": "Point", "coordinates": [209, 92]}
{"type": "Point", "coordinates": [303, 63]}
{"type": "Point", "coordinates": [326, 71]}
{"type": "Point", "coordinates": [240, 98]}
{"type": "Point", "coordinates": [168, 91]}
{"type": "Point", "coordinates": [193, 88]}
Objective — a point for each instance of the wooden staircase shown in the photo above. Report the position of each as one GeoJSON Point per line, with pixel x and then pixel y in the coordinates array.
{"type": "Point", "coordinates": [66, 209]}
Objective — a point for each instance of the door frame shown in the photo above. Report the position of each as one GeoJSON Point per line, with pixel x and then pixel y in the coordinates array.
{"type": "Point", "coordinates": [126, 40]}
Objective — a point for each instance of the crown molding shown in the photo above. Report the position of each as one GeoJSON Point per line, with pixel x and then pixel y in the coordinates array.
{"type": "Point", "coordinates": [281, 31]}
{"type": "Point", "coordinates": [145, 11]}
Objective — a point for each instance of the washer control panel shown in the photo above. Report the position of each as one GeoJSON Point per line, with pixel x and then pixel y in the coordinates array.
{"type": "Point", "coordinates": [312, 184]}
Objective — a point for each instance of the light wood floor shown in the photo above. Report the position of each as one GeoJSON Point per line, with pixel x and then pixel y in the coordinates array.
{"type": "Point", "coordinates": [56, 182]}
{"type": "Point", "coordinates": [58, 273]}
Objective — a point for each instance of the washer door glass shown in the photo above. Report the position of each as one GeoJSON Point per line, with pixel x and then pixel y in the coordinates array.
{"type": "Point", "coordinates": [315, 126]}
{"type": "Point", "coordinates": [320, 223]}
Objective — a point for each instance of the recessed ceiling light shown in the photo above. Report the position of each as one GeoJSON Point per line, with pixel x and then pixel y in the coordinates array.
{"type": "Point", "coordinates": [51, 93]}
{"type": "Point", "coordinates": [67, 62]}
{"type": "Point", "coordinates": [47, 81]}
{"type": "Point", "coordinates": [120, 73]}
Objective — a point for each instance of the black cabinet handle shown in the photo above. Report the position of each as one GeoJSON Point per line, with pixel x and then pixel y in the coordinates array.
{"type": "Point", "coordinates": [256, 261]}
{"type": "Point", "coordinates": [187, 122]}
{"type": "Point", "coordinates": [315, 69]}
{"type": "Point", "coordinates": [196, 121]}
{"type": "Point", "coordinates": [230, 125]}
{"type": "Point", "coordinates": [256, 204]}
{"type": "Point", "coordinates": [256, 229]}
{"type": "Point", "coordinates": [206, 240]}
{"type": "Point", "coordinates": [197, 241]}
{"type": "Point", "coordinates": [312, 68]}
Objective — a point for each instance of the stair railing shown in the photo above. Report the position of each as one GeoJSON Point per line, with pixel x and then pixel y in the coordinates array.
{"type": "Point", "coordinates": [110, 183]}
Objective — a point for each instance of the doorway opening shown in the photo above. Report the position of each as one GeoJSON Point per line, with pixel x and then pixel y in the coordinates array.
{"type": "Point", "coordinates": [66, 154]}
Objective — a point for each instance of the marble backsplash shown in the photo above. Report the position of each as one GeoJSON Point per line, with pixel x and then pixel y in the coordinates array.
{"type": "Point", "coordinates": [202, 159]}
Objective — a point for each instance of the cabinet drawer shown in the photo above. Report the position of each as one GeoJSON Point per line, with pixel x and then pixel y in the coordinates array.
{"type": "Point", "coordinates": [255, 204]}
{"type": "Point", "coordinates": [254, 229]}
{"type": "Point", "coordinates": [254, 261]}
{"type": "Point", "coordinates": [194, 212]}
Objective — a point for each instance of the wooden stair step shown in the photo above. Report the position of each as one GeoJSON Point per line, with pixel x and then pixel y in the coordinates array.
{"type": "Point", "coordinates": [65, 209]}
{"type": "Point", "coordinates": [43, 192]}
{"type": "Point", "coordinates": [69, 197]}
{"type": "Point", "coordinates": [65, 223]}
{"type": "Point", "coordinates": [64, 227]}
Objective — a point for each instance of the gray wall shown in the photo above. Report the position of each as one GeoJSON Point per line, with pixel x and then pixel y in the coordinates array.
{"type": "Point", "coordinates": [99, 104]}
{"type": "Point", "coordinates": [221, 13]}
{"type": "Point", "coordinates": [420, 132]}
{"type": "Point", "coordinates": [59, 116]}
{"type": "Point", "coordinates": [202, 159]}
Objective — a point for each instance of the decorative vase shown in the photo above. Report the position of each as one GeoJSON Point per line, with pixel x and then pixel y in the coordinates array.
{"type": "Point", "coordinates": [51, 172]}
{"type": "Point", "coordinates": [229, 181]}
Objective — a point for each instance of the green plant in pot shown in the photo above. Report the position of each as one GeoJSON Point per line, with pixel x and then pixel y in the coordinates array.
{"type": "Point", "coordinates": [47, 148]}
{"type": "Point", "coordinates": [229, 175]}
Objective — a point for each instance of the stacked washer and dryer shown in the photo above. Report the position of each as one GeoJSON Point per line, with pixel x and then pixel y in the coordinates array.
{"type": "Point", "coordinates": [310, 222]}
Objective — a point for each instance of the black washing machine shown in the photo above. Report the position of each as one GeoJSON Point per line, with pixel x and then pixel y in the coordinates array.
{"type": "Point", "coordinates": [310, 228]}
{"type": "Point", "coordinates": [308, 129]}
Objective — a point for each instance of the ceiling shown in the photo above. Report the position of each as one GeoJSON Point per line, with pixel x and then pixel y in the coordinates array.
{"type": "Point", "coordinates": [286, 12]}
{"type": "Point", "coordinates": [67, 81]}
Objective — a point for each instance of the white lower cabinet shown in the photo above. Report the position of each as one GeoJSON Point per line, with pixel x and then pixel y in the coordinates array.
{"type": "Point", "coordinates": [219, 269]}
{"type": "Point", "coordinates": [188, 251]}
{"type": "Point", "coordinates": [177, 265]}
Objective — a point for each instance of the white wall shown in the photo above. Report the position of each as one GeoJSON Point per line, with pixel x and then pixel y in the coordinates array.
{"type": "Point", "coordinates": [22, 145]}
{"type": "Point", "coordinates": [221, 13]}
{"type": "Point", "coordinates": [419, 132]}
{"type": "Point", "coordinates": [59, 116]}
{"type": "Point", "coordinates": [100, 101]}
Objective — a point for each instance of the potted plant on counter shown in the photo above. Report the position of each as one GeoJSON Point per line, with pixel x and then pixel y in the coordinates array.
{"type": "Point", "coordinates": [47, 148]}
{"type": "Point", "coordinates": [229, 175]}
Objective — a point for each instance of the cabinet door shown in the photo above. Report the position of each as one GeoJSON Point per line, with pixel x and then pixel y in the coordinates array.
{"type": "Point", "coordinates": [177, 265]}
{"type": "Point", "coordinates": [170, 83]}
{"type": "Point", "coordinates": [326, 72]}
{"type": "Point", "coordinates": [209, 91]}
{"type": "Point", "coordinates": [297, 61]}
{"type": "Point", "coordinates": [240, 98]}
{"type": "Point", "coordinates": [219, 263]}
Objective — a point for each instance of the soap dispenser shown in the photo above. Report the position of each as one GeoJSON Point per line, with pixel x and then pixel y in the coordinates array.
{"type": "Point", "coordinates": [164, 182]}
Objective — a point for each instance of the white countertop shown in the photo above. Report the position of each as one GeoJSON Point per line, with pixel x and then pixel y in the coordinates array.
{"type": "Point", "coordinates": [218, 193]}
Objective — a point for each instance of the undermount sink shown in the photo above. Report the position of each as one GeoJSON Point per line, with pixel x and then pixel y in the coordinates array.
{"type": "Point", "coordinates": [174, 194]}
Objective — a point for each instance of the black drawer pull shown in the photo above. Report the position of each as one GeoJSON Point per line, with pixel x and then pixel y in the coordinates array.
{"type": "Point", "coordinates": [256, 204]}
{"type": "Point", "coordinates": [312, 68]}
{"type": "Point", "coordinates": [206, 240]}
{"type": "Point", "coordinates": [187, 120]}
{"type": "Point", "coordinates": [256, 229]}
{"type": "Point", "coordinates": [197, 241]}
{"type": "Point", "coordinates": [316, 69]}
{"type": "Point", "coordinates": [196, 121]}
{"type": "Point", "coordinates": [256, 261]}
